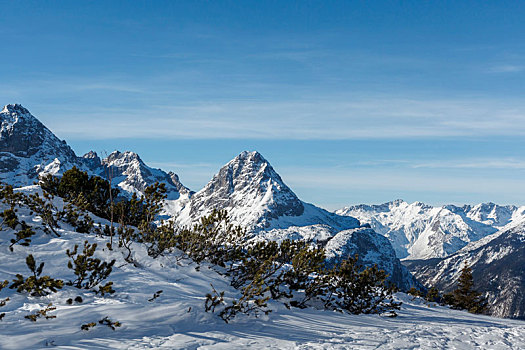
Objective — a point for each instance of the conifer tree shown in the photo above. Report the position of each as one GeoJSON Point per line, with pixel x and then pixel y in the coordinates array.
{"type": "Point", "coordinates": [432, 295]}
{"type": "Point", "coordinates": [465, 296]}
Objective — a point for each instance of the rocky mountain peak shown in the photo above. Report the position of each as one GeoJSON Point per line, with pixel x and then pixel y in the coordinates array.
{"type": "Point", "coordinates": [92, 160]}
{"type": "Point", "coordinates": [117, 158]}
{"type": "Point", "coordinates": [133, 175]}
{"type": "Point", "coordinates": [252, 170]}
{"type": "Point", "coordinates": [248, 181]}
{"type": "Point", "coordinates": [90, 155]}
{"type": "Point", "coordinates": [28, 150]}
{"type": "Point", "coordinates": [15, 108]}
{"type": "Point", "coordinates": [23, 135]}
{"type": "Point", "coordinates": [256, 197]}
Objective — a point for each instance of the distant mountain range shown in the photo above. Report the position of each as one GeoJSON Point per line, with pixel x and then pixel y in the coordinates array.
{"type": "Point", "coordinates": [256, 197]}
{"type": "Point", "coordinates": [420, 231]}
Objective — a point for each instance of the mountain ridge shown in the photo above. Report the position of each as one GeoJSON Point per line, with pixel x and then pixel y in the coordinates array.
{"type": "Point", "coordinates": [257, 198]}
{"type": "Point", "coordinates": [28, 150]}
{"type": "Point", "coordinates": [421, 231]}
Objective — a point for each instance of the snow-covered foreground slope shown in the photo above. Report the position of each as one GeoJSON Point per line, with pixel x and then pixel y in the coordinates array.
{"type": "Point", "coordinates": [176, 319]}
{"type": "Point", "coordinates": [420, 231]}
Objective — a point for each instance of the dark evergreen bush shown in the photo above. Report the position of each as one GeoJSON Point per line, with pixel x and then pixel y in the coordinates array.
{"type": "Point", "coordinates": [90, 271]}
{"type": "Point", "coordinates": [36, 285]}
{"type": "Point", "coordinates": [42, 313]}
{"type": "Point", "coordinates": [291, 271]}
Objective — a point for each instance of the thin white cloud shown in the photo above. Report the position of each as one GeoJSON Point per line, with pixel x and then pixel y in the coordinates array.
{"type": "Point", "coordinates": [327, 119]}
{"type": "Point", "coordinates": [490, 163]}
{"type": "Point", "coordinates": [399, 184]}
{"type": "Point", "coordinates": [173, 165]}
{"type": "Point", "coordinates": [507, 68]}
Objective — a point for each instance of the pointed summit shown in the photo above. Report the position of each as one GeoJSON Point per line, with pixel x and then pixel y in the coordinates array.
{"type": "Point", "coordinates": [92, 160]}
{"type": "Point", "coordinates": [15, 108]}
{"type": "Point", "coordinates": [248, 182]}
{"type": "Point", "coordinates": [24, 135]}
{"type": "Point", "coordinates": [257, 198]}
{"type": "Point", "coordinates": [133, 175]}
{"type": "Point", "coordinates": [28, 148]}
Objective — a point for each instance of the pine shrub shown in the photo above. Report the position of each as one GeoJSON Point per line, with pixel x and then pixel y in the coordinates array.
{"type": "Point", "coordinates": [89, 271]}
{"type": "Point", "coordinates": [42, 313]}
{"type": "Point", "coordinates": [36, 285]}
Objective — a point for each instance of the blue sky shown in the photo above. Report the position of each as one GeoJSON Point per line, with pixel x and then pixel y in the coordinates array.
{"type": "Point", "coordinates": [351, 102]}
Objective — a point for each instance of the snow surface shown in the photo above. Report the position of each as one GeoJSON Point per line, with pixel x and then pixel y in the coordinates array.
{"type": "Point", "coordinates": [176, 319]}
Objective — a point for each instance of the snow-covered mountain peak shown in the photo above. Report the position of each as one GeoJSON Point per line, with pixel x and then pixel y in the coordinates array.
{"type": "Point", "coordinates": [251, 175]}
{"type": "Point", "coordinates": [492, 214]}
{"type": "Point", "coordinates": [92, 160]}
{"type": "Point", "coordinates": [257, 198]}
{"type": "Point", "coordinates": [28, 150]}
{"type": "Point", "coordinates": [90, 155]}
{"type": "Point", "coordinates": [24, 135]}
{"type": "Point", "coordinates": [117, 158]}
{"type": "Point", "coordinates": [15, 115]}
{"type": "Point", "coordinates": [133, 175]}
{"type": "Point", "coordinates": [252, 166]}
{"type": "Point", "coordinates": [15, 109]}
{"type": "Point", "coordinates": [251, 189]}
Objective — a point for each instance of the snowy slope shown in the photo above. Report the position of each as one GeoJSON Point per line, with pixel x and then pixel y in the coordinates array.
{"type": "Point", "coordinates": [420, 231]}
{"type": "Point", "coordinates": [176, 319]}
{"type": "Point", "coordinates": [372, 248]}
